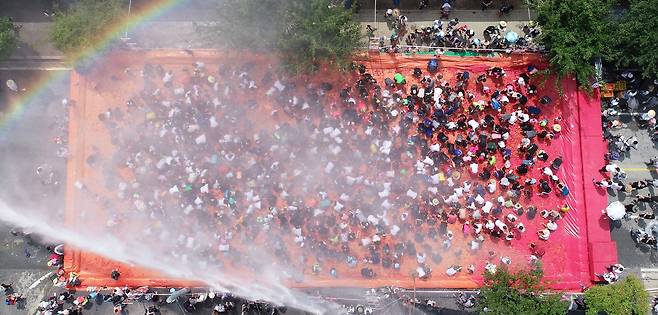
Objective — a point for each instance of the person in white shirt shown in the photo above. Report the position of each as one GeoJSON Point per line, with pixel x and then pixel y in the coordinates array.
{"type": "Point", "coordinates": [453, 270]}
{"type": "Point", "coordinates": [551, 226]}
{"type": "Point", "coordinates": [616, 186]}
{"type": "Point", "coordinates": [544, 234]}
{"type": "Point", "coordinates": [610, 168]}
{"type": "Point", "coordinates": [602, 183]}
{"type": "Point", "coordinates": [474, 168]}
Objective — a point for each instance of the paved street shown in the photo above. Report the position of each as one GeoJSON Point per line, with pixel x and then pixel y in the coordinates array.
{"type": "Point", "coordinates": [26, 143]}
{"type": "Point", "coordinates": [639, 259]}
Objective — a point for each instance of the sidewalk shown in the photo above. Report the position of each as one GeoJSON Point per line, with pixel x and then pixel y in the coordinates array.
{"type": "Point", "coordinates": [476, 19]}
{"type": "Point", "coordinates": [34, 42]}
{"type": "Point", "coordinates": [436, 4]}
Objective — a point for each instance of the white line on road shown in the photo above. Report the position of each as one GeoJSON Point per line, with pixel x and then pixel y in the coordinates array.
{"type": "Point", "coordinates": [36, 283]}
{"type": "Point", "coordinates": [638, 169]}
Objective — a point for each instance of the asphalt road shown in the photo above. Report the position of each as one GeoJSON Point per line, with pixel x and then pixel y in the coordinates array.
{"type": "Point", "coordinates": [630, 254]}
{"type": "Point", "coordinates": [26, 10]}
{"type": "Point", "coordinates": [26, 132]}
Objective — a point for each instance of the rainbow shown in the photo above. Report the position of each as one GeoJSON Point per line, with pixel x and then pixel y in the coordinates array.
{"type": "Point", "coordinates": [16, 108]}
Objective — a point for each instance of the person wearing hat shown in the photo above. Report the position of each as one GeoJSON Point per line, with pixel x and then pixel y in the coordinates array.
{"type": "Point", "coordinates": [502, 25]}
{"type": "Point", "coordinates": [648, 117]}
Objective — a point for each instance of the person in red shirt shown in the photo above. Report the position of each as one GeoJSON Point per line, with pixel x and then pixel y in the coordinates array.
{"type": "Point", "coordinates": [537, 250]}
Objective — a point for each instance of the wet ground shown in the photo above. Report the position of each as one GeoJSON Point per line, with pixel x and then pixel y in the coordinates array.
{"type": "Point", "coordinates": [26, 142]}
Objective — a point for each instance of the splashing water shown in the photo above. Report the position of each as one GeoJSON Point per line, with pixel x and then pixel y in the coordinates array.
{"type": "Point", "coordinates": [266, 287]}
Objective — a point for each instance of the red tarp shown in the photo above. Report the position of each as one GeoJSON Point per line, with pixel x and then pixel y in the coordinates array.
{"type": "Point", "coordinates": [568, 262]}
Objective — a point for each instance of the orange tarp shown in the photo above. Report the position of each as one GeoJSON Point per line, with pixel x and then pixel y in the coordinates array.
{"type": "Point", "coordinates": [566, 258]}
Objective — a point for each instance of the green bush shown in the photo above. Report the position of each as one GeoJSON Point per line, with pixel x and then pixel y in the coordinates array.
{"type": "Point", "coordinates": [626, 297]}
{"type": "Point", "coordinates": [521, 292]}
{"type": "Point", "coordinates": [8, 40]}
{"type": "Point", "coordinates": [85, 23]}
{"type": "Point", "coordinates": [318, 33]}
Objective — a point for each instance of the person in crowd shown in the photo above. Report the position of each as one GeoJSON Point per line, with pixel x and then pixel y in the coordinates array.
{"type": "Point", "coordinates": [8, 288]}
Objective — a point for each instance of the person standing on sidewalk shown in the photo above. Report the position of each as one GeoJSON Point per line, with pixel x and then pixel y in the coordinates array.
{"type": "Point", "coordinates": [8, 288]}
{"type": "Point", "coordinates": [485, 4]}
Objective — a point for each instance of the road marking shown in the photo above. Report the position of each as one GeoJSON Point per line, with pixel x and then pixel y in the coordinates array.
{"type": "Point", "coordinates": [36, 283]}
{"type": "Point", "coordinates": [638, 169]}
{"type": "Point", "coordinates": [628, 114]}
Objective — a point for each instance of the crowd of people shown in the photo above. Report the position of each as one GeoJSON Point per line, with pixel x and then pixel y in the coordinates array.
{"type": "Point", "coordinates": [407, 37]}
{"type": "Point", "coordinates": [444, 156]}
{"type": "Point", "coordinates": [69, 302]}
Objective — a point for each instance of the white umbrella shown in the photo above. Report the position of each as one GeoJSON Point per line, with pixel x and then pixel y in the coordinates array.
{"type": "Point", "coordinates": [615, 211]}
{"type": "Point", "coordinates": [11, 84]}
{"type": "Point", "coordinates": [59, 249]}
{"type": "Point", "coordinates": [176, 294]}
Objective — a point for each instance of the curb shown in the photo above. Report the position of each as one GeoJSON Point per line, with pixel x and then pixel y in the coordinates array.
{"type": "Point", "coordinates": [34, 58]}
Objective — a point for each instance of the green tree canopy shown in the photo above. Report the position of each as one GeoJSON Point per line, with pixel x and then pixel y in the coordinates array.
{"type": "Point", "coordinates": [636, 38]}
{"type": "Point", "coordinates": [626, 297]}
{"type": "Point", "coordinates": [574, 32]}
{"type": "Point", "coordinates": [85, 23]}
{"type": "Point", "coordinates": [304, 33]}
{"type": "Point", "coordinates": [521, 292]}
{"type": "Point", "coordinates": [8, 38]}
{"type": "Point", "coordinates": [318, 33]}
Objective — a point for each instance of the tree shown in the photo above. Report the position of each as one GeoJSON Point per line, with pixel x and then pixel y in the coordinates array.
{"type": "Point", "coordinates": [85, 23]}
{"type": "Point", "coordinates": [304, 33]}
{"type": "Point", "coordinates": [574, 32]}
{"type": "Point", "coordinates": [518, 293]}
{"type": "Point", "coordinates": [626, 297]}
{"type": "Point", "coordinates": [636, 40]}
{"type": "Point", "coordinates": [8, 38]}
{"type": "Point", "coordinates": [318, 33]}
